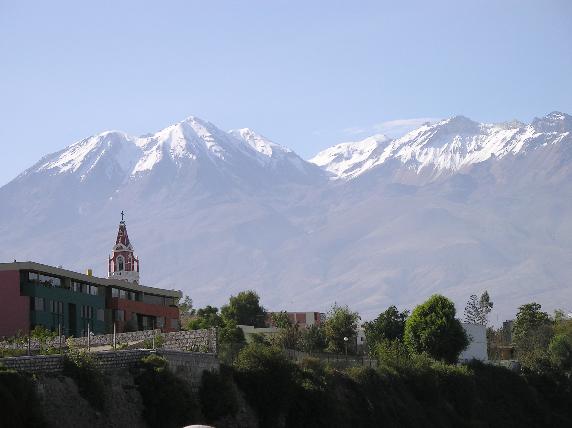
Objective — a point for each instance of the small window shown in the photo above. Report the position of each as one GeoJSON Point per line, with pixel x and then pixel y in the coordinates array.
{"type": "Point", "coordinates": [87, 312]}
{"type": "Point", "coordinates": [56, 307]}
{"type": "Point", "coordinates": [93, 290]}
{"type": "Point", "coordinates": [101, 314]}
{"type": "Point", "coordinates": [120, 263]}
{"type": "Point", "coordinates": [38, 304]}
{"type": "Point", "coordinates": [160, 322]}
{"type": "Point", "coordinates": [33, 277]}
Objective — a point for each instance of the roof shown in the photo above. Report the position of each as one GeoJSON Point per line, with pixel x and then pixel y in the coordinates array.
{"type": "Point", "coordinates": [51, 270]}
{"type": "Point", "coordinates": [122, 236]}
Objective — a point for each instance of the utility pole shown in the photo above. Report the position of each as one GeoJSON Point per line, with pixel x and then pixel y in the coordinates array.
{"type": "Point", "coordinates": [88, 337]}
{"type": "Point", "coordinates": [114, 336]}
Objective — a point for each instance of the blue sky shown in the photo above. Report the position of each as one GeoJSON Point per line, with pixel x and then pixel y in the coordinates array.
{"type": "Point", "coordinates": [307, 74]}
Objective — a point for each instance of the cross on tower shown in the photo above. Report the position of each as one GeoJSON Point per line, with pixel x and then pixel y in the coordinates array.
{"type": "Point", "coordinates": [122, 214]}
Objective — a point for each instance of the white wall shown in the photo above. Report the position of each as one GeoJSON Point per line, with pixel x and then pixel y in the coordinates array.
{"type": "Point", "coordinates": [477, 348]}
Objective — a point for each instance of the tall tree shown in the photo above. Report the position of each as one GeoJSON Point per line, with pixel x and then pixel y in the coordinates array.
{"type": "Point", "coordinates": [340, 322]}
{"type": "Point", "coordinates": [389, 325]}
{"type": "Point", "coordinates": [245, 309]}
{"type": "Point", "coordinates": [477, 309]}
{"type": "Point", "coordinates": [485, 308]}
{"type": "Point", "coordinates": [532, 332]}
{"type": "Point", "coordinates": [433, 329]}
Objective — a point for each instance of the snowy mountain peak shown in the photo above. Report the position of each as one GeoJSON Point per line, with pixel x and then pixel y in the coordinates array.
{"type": "Point", "coordinates": [258, 142]}
{"type": "Point", "coordinates": [347, 160]}
{"type": "Point", "coordinates": [446, 146]}
{"type": "Point", "coordinates": [553, 122]}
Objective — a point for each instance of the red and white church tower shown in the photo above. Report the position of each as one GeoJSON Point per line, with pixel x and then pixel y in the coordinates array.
{"type": "Point", "coordinates": [123, 264]}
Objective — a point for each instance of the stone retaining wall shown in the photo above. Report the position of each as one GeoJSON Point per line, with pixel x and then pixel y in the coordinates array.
{"type": "Point", "coordinates": [187, 365]}
{"type": "Point", "coordinates": [191, 341]}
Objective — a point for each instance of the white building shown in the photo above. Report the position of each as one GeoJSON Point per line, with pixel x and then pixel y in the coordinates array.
{"type": "Point", "coordinates": [477, 349]}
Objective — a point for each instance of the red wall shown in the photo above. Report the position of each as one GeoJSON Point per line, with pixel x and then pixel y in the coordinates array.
{"type": "Point", "coordinates": [132, 306]}
{"type": "Point", "coordinates": [14, 309]}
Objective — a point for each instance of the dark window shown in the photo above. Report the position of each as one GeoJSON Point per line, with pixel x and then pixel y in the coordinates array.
{"type": "Point", "coordinates": [174, 323]}
{"type": "Point", "coordinates": [38, 304]}
{"type": "Point", "coordinates": [120, 263]}
{"type": "Point", "coordinates": [153, 300]}
{"type": "Point", "coordinates": [56, 307]}
{"type": "Point", "coordinates": [101, 315]}
{"type": "Point", "coordinates": [160, 322]}
{"type": "Point", "coordinates": [119, 315]}
{"type": "Point", "coordinates": [93, 290]}
{"type": "Point", "coordinates": [87, 312]}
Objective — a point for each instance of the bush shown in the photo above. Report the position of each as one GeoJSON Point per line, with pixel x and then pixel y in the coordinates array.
{"type": "Point", "coordinates": [218, 395]}
{"type": "Point", "coordinates": [19, 404]}
{"type": "Point", "coordinates": [267, 379]}
{"type": "Point", "coordinates": [89, 379]}
{"type": "Point", "coordinates": [159, 342]}
{"type": "Point", "coordinates": [168, 400]}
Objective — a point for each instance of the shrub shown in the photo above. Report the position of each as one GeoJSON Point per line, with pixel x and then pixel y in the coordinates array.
{"type": "Point", "coordinates": [89, 379]}
{"type": "Point", "coordinates": [267, 379]}
{"type": "Point", "coordinates": [19, 404]}
{"type": "Point", "coordinates": [168, 400]}
{"type": "Point", "coordinates": [218, 395]}
{"type": "Point", "coordinates": [159, 342]}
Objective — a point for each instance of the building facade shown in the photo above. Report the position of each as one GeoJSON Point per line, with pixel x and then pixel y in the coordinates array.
{"type": "Point", "coordinates": [33, 294]}
{"type": "Point", "coordinates": [303, 319]}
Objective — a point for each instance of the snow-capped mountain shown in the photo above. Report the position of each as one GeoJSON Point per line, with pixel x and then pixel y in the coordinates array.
{"type": "Point", "coordinates": [454, 207]}
{"type": "Point", "coordinates": [446, 147]}
{"type": "Point", "coordinates": [181, 145]}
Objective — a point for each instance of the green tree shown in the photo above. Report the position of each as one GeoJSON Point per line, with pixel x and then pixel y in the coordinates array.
{"type": "Point", "coordinates": [245, 309]}
{"type": "Point", "coordinates": [433, 329]}
{"type": "Point", "coordinates": [560, 352]}
{"type": "Point", "coordinates": [186, 306]}
{"type": "Point", "coordinates": [207, 317]}
{"type": "Point", "coordinates": [340, 322]}
{"type": "Point", "coordinates": [313, 339]}
{"type": "Point", "coordinates": [477, 309]}
{"type": "Point", "coordinates": [528, 318]}
{"type": "Point", "coordinates": [389, 325]}
{"type": "Point", "coordinates": [532, 331]}
{"type": "Point", "coordinates": [280, 319]}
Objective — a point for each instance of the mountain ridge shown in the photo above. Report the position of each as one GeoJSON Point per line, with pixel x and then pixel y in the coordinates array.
{"type": "Point", "coordinates": [212, 212]}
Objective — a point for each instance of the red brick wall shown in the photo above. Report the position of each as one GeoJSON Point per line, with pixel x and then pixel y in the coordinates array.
{"type": "Point", "coordinates": [14, 309]}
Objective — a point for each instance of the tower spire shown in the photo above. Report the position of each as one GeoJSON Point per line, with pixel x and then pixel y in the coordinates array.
{"type": "Point", "coordinates": [123, 264]}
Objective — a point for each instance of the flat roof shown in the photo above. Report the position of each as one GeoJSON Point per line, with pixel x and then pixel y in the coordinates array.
{"type": "Point", "coordinates": [51, 270]}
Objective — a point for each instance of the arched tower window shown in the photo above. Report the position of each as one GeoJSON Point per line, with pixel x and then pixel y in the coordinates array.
{"type": "Point", "coordinates": [120, 263]}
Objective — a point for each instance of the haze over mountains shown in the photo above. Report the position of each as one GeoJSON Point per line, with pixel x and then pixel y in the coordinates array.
{"type": "Point", "coordinates": [454, 207]}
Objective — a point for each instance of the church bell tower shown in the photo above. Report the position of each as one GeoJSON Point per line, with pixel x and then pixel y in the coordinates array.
{"type": "Point", "coordinates": [123, 264]}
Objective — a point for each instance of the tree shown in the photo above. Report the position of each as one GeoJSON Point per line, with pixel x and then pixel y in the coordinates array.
{"type": "Point", "coordinates": [313, 339]}
{"type": "Point", "coordinates": [340, 323]}
{"type": "Point", "coordinates": [532, 331]}
{"type": "Point", "coordinates": [207, 317]}
{"type": "Point", "coordinates": [280, 319]}
{"type": "Point", "coordinates": [560, 351]}
{"type": "Point", "coordinates": [529, 318]}
{"type": "Point", "coordinates": [186, 306]}
{"type": "Point", "coordinates": [389, 325]}
{"type": "Point", "coordinates": [477, 310]}
{"type": "Point", "coordinates": [245, 309]}
{"type": "Point", "coordinates": [433, 329]}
